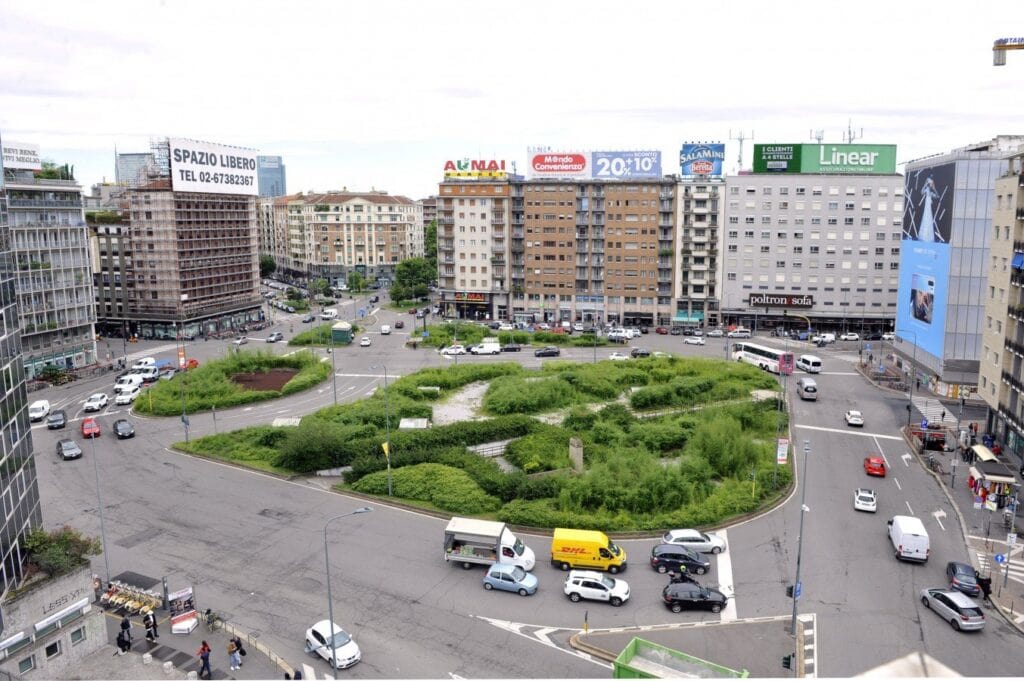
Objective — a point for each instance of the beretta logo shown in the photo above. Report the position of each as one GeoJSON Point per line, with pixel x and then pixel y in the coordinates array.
{"type": "Point", "coordinates": [768, 300]}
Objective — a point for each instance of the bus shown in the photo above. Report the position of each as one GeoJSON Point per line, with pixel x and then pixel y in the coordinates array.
{"type": "Point", "coordinates": [776, 361]}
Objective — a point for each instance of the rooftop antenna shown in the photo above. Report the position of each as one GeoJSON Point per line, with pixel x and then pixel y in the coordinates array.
{"type": "Point", "coordinates": [818, 135]}
{"type": "Point", "coordinates": [740, 137]}
{"type": "Point", "coordinates": [849, 136]}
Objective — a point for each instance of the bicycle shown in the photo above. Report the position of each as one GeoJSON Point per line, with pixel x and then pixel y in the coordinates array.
{"type": "Point", "coordinates": [213, 620]}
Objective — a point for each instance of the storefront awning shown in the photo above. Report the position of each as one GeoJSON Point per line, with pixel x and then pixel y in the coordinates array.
{"type": "Point", "coordinates": [983, 453]}
{"type": "Point", "coordinates": [683, 318]}
{"type": "Point", "coordinates": [1018, 261]}
{"type": "Point", "coordinates": [993, 477]}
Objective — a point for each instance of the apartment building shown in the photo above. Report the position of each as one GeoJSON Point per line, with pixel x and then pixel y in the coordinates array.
{"type": "Point", "coordinates": [945, 265]}
{"type": "Point", "coordinates": [1001, 382]}
{"type": "Point", "coordinates": [812, 237]}
{"type": "Point", "coordinates": [429, 205]}
{"type": "Point", "coordinates": [701, 200]}
{"type": "Point", "coordinates": [49, 245]}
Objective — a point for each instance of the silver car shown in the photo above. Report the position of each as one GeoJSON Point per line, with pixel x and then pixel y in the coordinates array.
{"type": "Point", "coordinates": [957, 608]}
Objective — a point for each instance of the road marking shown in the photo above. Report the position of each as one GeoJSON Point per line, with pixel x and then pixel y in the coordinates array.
{"type": "Point", "coordinates": [725, 580]}
{"type": "Point", "coordinates": [906, 459]}
{"type": "Point", "coordinates": [938, 516]}
{"type": "Point", "coordinates": [516, 628]}
{"type": "Point", "coordinates": [898, 485]}
{"type": "Point", "coordinates": [542, 634]}
{"type": "Point", "coordinates": [849, 432]}
{"type": "Point", "coordinates": [308, 671]}
{"type": "Point", "coordinates": [909, 509]}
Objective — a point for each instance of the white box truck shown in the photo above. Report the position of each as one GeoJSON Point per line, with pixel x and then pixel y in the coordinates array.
{"type": "Point", "coordinates": [909, 538]}
{"type": "Point", "coordinates": [470, 542]}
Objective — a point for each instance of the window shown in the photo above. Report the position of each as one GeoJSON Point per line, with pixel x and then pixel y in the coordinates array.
{"type": "Point", "coordinates": [77, 635]}
{"type": "Point", "coordinates": [27, 665]}
{"type": "Point", "coordinates": [53, 650]}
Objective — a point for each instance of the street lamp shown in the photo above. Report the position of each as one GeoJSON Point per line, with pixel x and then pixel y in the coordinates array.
{"type": "Point", "coordinates": [387, 423]}
{"type": "Point", "coordinates": [800, 538]}
{"type": "Point", "coordinates": [913, 375]}
{"type": "Point", "coordinates": [180, 334]}
{"type": "Point", "coordinates": [334, 366]}
{"type": "Point", "coordinates": [99, 503]}
{"type": "Point", "coordinates": [330, 601]}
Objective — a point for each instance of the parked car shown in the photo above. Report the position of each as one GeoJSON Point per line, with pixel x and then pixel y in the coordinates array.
{"type": "Point", "coordinates": [854, 418]}
{"type": "Point", "coordinates": [548, 351]}
{"type": "Point", "coordinates": [241, 340]}
{"type": "Point", "coordinates": [676, 331]}
{"type": "Point", "coordinates": [963, 577]}
{"type": "Point", "coordinates": [715, 333]}
{"type": "Point", "coordinates": [325, 636]}
{"type": "Point", "coordinates": [850, 336]}
{"type": "Point", "coordinates": [68, 449]}
{"type": "Point", "coordinates": [694, 340]}
{"type": "Point", "coordinates": [168, 374]}
{"type": "Point", "coordinates": [874, 465]}
{"type": "Point", "coordinates": [889, 336]}
{"type": "Point", "coordinates": [57, 419]}
{"type": "Point", "coordinates": [701, 542]}
{"type": "Point", "coordinates": [577, 327]}
{"type": "Point", "coordinates": [865, 500]}
{"type": "Point", "coordinates": [679, 596]}
{"type": "Point", "coordinates": [961, 612]}
{"type": "Point", "coordinates": [595, 586]}
{"type": "Point", "coordinates": [399, 324]}
{"type": "Point", "coordinates": [672, 557]}
{"type": "Point", "coordinates": [639, 352]}
{"type": "Point", "coordinates": [127, 396]}
{"type": "Point", "coordinates": [96, 402]}
{"type": "Point", "coordinates": [508, 577]}
{"type": "Point", "coordinates": [123, 429]}
{"type": "Point", "coordinates": [661, 330]}
{"type": "Point", "coordinates": [453, 350]}
{"type": "Point", "coordinates": [511, 347]}
{"type": "Point", "coordinates": [617, 357]}
{"type": "Point", "coordinates": [364, 342]}
{"type": "Point", "coordinates": [739, 332]}
{"type": "Point", "coordinates": [275, 337]}
{"type": "Point", "coordinates": [413, 310]}
{"type": "Point", "coordinates": [873, 337]}
{"type": "Point", "coordinates": [38, 410]}
{"type": "Point", "coordinates": [90, 428]}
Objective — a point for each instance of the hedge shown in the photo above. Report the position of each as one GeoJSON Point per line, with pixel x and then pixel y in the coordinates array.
{"type": "Point", "coordinates": [444, 487]}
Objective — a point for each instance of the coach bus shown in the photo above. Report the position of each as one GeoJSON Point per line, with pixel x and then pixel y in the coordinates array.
{"type": "Point", "coordinates": [776, 361]}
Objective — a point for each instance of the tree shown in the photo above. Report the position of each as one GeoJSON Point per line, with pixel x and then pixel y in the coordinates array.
{"type": "Point", "coordinates": [430, 245]}
{"type": "Point", "coordinates": [52, 171]}
{"type": "Point", "coordinates": [319, 287]}
{"type": "Point", "coordinates": [356, 282]}
{"type": "Point", "coordinates": [415, 272]}
{"type": "Point", "coordinates": [267, 266]}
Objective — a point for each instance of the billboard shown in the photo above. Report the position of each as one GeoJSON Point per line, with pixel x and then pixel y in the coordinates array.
{"type": "Point", "coordinates": [477, 168]}
{"type": "Point", "coordinates": [560, 164]}
{"type": "Point", "coordinates": [925, 256]}
{"type": "Point", "coordinates": [701, 159]}
{"type": "Point", "coordinates": [21, 156]}
{"type": "Point", "coordinates": [621, 165]}
{"type": "Point", "coordinates": [212, 168]}
{"type": "Point", "coordinates": [826, 159]}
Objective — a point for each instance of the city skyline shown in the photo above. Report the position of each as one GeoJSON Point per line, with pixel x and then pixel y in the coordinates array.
{"type": "Point", "coordinates": [384, 106]}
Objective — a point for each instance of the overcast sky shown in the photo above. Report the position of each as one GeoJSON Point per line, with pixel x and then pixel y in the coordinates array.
{"type": "Point", "coordinates": [379, 94]}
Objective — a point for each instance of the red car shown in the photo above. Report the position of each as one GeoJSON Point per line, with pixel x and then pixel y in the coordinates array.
{"type": "Point", "coordinates": [661, 330]}
{"type": "Point", "coordinates": [90, 428]}
{"type": "Point", "coordinates": [874, 465]}
{"type": "Point", "coordinates": [399, 324]}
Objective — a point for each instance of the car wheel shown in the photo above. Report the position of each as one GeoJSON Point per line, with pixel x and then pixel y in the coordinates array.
{"type": "Point", "coordinates": [524, 592]}
{"type": "Point", "coordinates": [955, 623]}
{"type": "Point", "coordinates": [615, 601]}
{"type": "Point", "coordinates": [574, 597]}
{"type": "Point", "coordinates": [716, 608]}
{"type": "Point", "coordinates": [614, 569]}
{"type": "Point", "coordinates": [676, 607]}
{"type": "Point", "coordinates": [700, 570]}
{"type": "Point", "coordinates": [924, 602]}
{"type": "Point", "coordinates": [467, 566]}
{"type": "Point", "coordinates": [662, 569]}
{"type": "Point", "coordinates": [488, 586]}
{"type": "Point", "coordinates": [565, 567]}
{"type": "Point", "coordinates": [716, 550]}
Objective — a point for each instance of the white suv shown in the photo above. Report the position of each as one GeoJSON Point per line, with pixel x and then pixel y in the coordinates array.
{"type": "Point", "coordinates": [595, 586]}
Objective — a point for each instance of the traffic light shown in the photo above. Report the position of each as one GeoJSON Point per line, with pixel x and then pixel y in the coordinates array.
{"type": "Point", "coordinates": [787, 661]}
{"type": "Point", "coordinates": [789, 592]}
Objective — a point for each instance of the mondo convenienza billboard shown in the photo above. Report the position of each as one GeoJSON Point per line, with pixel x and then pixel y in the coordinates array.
{"type": "Point", "coordinates": [701, 160]}
{"type": "Point", "coordinates": [826, 159]}
{"type": "Point", "coordinates": [925, 257]}
{"type": "Point", "coordinates": [559, 164]}
{"type": "Point", "coordinates": [212, 168]}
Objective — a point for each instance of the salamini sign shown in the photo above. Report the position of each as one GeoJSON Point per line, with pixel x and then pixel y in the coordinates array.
{"type": "Point", "coordinates": [767, 300]}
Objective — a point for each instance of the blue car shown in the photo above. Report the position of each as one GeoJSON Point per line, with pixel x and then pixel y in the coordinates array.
{"type": "Point", "coordinates": [510, 578]}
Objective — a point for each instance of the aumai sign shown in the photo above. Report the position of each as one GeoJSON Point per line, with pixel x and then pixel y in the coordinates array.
{"type": "Point", "coordinates": [826, 159]}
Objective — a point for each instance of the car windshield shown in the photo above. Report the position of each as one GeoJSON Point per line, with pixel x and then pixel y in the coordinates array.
{"type": "Point", "coordinates": [519, 547]}
{"type": "Point", "coordinates": [608, 582]}
{"type": "Point", "coordinates": [518, 574]}
{"type": "Point", "coordinates": [866, 497]}
{"type": "Point", "coordinates": [614, 549]}
{"type": "Point", "coordinates": [68, 446]}
{"type": "Point", "coordinates": [340, 639]}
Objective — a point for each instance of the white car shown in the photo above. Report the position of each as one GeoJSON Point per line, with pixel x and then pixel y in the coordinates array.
{"type": "Point", "coordinates": [715, 333]}
{"type": "Point", "coordinates": [701, 542]}
{"type": "Point", "coordinates": [889, 336]}
{"type": "Point", "coordinates": [96, 402]}
{"type": "Point", "coordinates": [865, 500]}
{"type": "Point", "coordinates": [241, 340]}
{"type": "Point", "coordinates": [617, 357]}
{"type": "Point", "coordinates": [38, 410]}
{"type": "Point", "coordinates": [454, 350]}
{"type": "Point", "coordinates": [506, 327]}
{"type": "Point", "coordinates": [364, 342]}
{"type": "Point", "coordinates": [739, 333]}
{"type": "Point", "coordinates": [319, 641]}
{"type": "Point", "coordinates": [854, 418]}
{"type": "Point", "coordinates": [694, 340]}
{"type": "Point", "coordinates": [850, 337]}
{"type": "Point", "coordinates": [595, 586]}
{"type": "Point", "coordinates": [127, 396]}
{"type": "Point", "coordinates": [577, 327]}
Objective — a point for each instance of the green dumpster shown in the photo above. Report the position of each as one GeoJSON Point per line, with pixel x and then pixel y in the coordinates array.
{"type": "Point", "coordinates": [641, 659]}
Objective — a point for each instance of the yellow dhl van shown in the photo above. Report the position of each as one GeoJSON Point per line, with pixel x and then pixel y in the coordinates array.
{"type": "Point", "coordinates": [586, 549]}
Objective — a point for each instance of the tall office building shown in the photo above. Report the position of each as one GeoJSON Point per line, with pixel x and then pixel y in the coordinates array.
{"type": "Point", "coordinates": [271, 175]}
{"type": "Point", "coordinates": [18, 485]}
{"type": "Point", "coordinates": [945, 262]}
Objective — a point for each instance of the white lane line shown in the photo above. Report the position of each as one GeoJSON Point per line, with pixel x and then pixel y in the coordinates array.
{"type": "Point", "coordinates": [938, 518]}
{"type": "Point", "coordinates": [308, 672]}
{"type": "Point", "coordinates": [849, 432]}
{"type": "Point", "coordinates": [725, 582]}
{"type": "Point", "coordinates": [898, 485]}
{"type": "Point", "coordinates": [909, 509]}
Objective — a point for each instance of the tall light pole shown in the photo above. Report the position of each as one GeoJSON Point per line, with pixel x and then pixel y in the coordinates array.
{"type": "Point", "coordinates": [797, 588]}
{"type": "Point", "coordinates": [913, 375]}
{"type": "Point", "coordinates": [99, 503]}
{"type": "Point", "coordinates": [334, 366]}
{"type": "Point", "coordinates": [387, 423]}
{"type": "Point", "coordinates": [180, 333]}
{"type": "Point", "coordinates": [330, 601]}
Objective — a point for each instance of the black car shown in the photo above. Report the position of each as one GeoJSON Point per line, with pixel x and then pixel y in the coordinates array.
{"type": "Point", "coordinates": [68, 449]}
{"type": "Point", "coordinates": [308, 318]}
{"type": "Point", "coordinates": [676, 331]}
{"type": "Point", "coordinates": [679, 596]}
{"type": "Point", "coordinates": [549, 351]}
{"type": "Point", "coordinates": [640, 352]}
{"type": "Point", "coordinates": [645, 330]}
{"type": "Point", "coordinates": [669, 558]}
{"type": "Point", "coordinates": [963, 577]}
{"type": "Point", "coordinates": [873, 337]}
{"type": "Point", "coordinates": [688, 331]}
{"type": "Point", "coordinates": [123, 429]}
{"type": "Point", "coordinates": [511, 347]}
{"type": "Point", "coordinates": [399, 324]}
{"type": "Point", "coordinates": [57, 419]}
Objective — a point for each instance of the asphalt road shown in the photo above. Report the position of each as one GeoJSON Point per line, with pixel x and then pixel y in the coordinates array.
{"type": "Point", "coordinates": [252, 545]}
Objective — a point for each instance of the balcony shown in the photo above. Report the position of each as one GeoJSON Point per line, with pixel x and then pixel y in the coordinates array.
{"type": "Point", "coordinates": [1014, 347]}
{"type": "Point", "coordinates": [518, 233]}
{"type": "Point", "coordinates": [498, 219]}
{"type": "Point", "coordinates": [666, 195]}
{"type": "Point", "coordinates": [1013, 382]}
{"type": "Point", "coordinates": [446, 220]}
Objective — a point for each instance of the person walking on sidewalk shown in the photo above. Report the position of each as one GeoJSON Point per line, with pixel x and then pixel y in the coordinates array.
{"type": "Point", "coordinates": [122, 643]}
{"type": "Point", "coordinates": [149, 621]}
{"type": "Point", "coordinates": [241, 649]}
{"type": "Point", "coordinates": [236, 659]}
{"type": "Point", "coordinates": [204, 655]}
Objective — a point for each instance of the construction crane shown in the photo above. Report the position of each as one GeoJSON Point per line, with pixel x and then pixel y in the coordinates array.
{"type": "Point", "coordinates": [1001, 46]}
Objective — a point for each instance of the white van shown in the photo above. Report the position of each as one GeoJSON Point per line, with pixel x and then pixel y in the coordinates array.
{"type": "Point", "coordinates": [144, 362]}
{"type": "Point", "coordinates": [739, 332]}
{"type": "Point", "coordinates": [126, 383]}
{"type": "Point", "coordinates": [329, 313]}
{"type": "Point", "coordinates": [385, 329]}
{"type": "Point", "coordinates": [809, 363]}
{"type": "Point", "coordinates": [486, 348]}
{"type": "Point", "coordinates": [807, 389]}
{"type": "Point", "coordinates": [909, 538]}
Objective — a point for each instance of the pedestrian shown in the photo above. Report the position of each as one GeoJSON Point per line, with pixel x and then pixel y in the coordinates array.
{"type": "Point", "coordinates": [241, 649]}
{"type": "Point", "coordinates": [918, 382]}
{"type": "Point", "coordinates": [297, 674]}
{"type": "Point", "coordinates": [204, 655]}
{"type": "Point", "coordinates": [985, 583]}
{"type": "Point", "coordinates": [943, 417]}
{"type": "Point", "coordinates": [123, 644]}
{"type": "Point", "coordinates": [287, 676]}
{"type": "Point", "coordinates": [149, 621]}
{"type": "Point", "coordinates": [233, 656]}
{"type": "Point", "coordinates": [126, 629]}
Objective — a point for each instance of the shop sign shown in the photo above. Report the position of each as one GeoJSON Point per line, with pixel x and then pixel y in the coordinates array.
{"type": "Point", "coordinates": [489, 168]}
{"type": "Point", "coordinates": [463, 296]}
{"type": "Point", "coordinates": [784, 300]}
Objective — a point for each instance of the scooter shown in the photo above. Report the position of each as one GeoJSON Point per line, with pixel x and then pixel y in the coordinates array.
{"type": "Point", "coordinates": [680, 577]}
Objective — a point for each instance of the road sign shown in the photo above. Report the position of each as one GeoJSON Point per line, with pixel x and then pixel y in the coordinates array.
{"type": "Point", "coordinates": [184, 419]}
{"type": "Point", "coordinates": [924, 424]}
{"type": "Point", "coordinates": [977, 503]}
{"type": "Point", "coordinates": [1011, 538]}
{"type": "Point", "coordinates": [867, 346]}
{"type": "Point", "coordinates": [782, 450]}
{"type": "Point", "coordinates": [1000, 558]}
{"type": "Point", "coordinates": [798, 590]}
{"type": "Point", "coordinates": [425, 334]}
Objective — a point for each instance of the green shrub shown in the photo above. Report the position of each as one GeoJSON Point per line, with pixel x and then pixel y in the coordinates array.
{"type": "Point", "coordinates": [515, 395]}
{"type": "Point", "coordinates": [317, 444]}
{"type": "Point", "coordinates": [319, 334]}
{"type": "Point", "coordinates": [255, 446]}
{"type": "Point", "coordinates": [545, 449]}
{"type": "Point", "coordinates": [61, 550]}
{"type": "Point", "coordinates": [444, 487]}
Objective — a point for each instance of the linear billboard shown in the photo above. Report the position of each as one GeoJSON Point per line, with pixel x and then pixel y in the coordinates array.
{"type": "Point", "coordinates": [825, 159]}
{"type": "Point", "coordinates": [210, 168]}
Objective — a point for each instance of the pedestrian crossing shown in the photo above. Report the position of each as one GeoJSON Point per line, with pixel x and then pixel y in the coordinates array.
{"type": "Point", "coordinates": [934, 410]}
{"type": "Point", "coordinates": [988, 565]}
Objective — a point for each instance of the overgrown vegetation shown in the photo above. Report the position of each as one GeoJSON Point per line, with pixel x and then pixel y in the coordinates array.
{"type": "Point", "coordinates": [59, 551]}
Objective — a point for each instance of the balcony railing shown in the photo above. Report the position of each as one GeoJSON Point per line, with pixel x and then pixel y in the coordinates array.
{"type": "Point", "coordinates": [1016, 348]}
